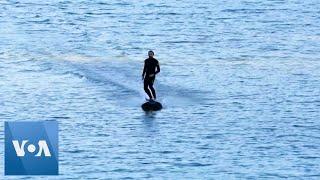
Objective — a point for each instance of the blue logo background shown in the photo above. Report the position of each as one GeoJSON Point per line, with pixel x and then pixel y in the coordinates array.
{"type": "Point", "coordinates": [29, 164]}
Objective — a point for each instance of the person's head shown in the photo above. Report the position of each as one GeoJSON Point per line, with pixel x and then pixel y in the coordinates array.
{"type": "Point", "coordinates": [150, 53]}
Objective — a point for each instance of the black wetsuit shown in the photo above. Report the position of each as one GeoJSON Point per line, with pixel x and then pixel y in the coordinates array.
{"type": "Point", "coordinates": [151, 67]}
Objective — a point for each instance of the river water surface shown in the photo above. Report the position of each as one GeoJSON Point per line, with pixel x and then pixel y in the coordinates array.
{"type": "Point", "coordinates": [239, 81]}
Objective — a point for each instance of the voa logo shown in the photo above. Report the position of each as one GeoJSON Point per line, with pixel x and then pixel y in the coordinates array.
{"type": "Point", "coordinates": [42, 148]}
{"type": "Point", "coordinates": [31, 148]}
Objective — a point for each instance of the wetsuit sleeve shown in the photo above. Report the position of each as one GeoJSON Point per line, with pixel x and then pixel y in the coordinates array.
{"type": "Point", "coordinates": [144, 69]}
{"type": "Point", "coordinates": [158, 68]}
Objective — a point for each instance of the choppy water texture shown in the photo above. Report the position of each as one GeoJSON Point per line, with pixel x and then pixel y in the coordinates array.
{"type": "Point", "coordinates": [240, 85]}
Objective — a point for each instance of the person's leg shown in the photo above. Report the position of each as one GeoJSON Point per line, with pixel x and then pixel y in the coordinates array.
{"type": "Point", "coordinates": [145, 86]}
{"type": "Point", "coordinates": [152, 89]}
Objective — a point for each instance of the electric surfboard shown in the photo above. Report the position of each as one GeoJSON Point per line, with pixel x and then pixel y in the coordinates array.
{"type": "Point", "coordinates": [151, 106]}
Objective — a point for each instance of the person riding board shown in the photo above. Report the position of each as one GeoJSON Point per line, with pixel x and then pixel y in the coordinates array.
{"type": "Point", "coordinates": [150, 69]}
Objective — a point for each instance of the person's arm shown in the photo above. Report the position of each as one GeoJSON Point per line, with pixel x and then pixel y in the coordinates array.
{"type": "Point", "coordinates": [144, 70]}
{"type": "Point", "coordinates": [158, 68]}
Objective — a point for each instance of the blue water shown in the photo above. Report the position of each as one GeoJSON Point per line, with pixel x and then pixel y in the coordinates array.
{"type": "Point", "coordinates": [239, 81]}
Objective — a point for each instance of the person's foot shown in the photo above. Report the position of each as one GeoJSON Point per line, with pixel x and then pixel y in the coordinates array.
{"type": "Point", "coordinates": [151, 100]}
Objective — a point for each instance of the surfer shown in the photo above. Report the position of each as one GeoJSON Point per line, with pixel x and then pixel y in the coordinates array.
{"type": "Point", "coordinates": [150, 69]}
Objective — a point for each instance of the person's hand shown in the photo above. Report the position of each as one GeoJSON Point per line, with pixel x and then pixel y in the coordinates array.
{"type": "Point", "coordinates": [151, 75]}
